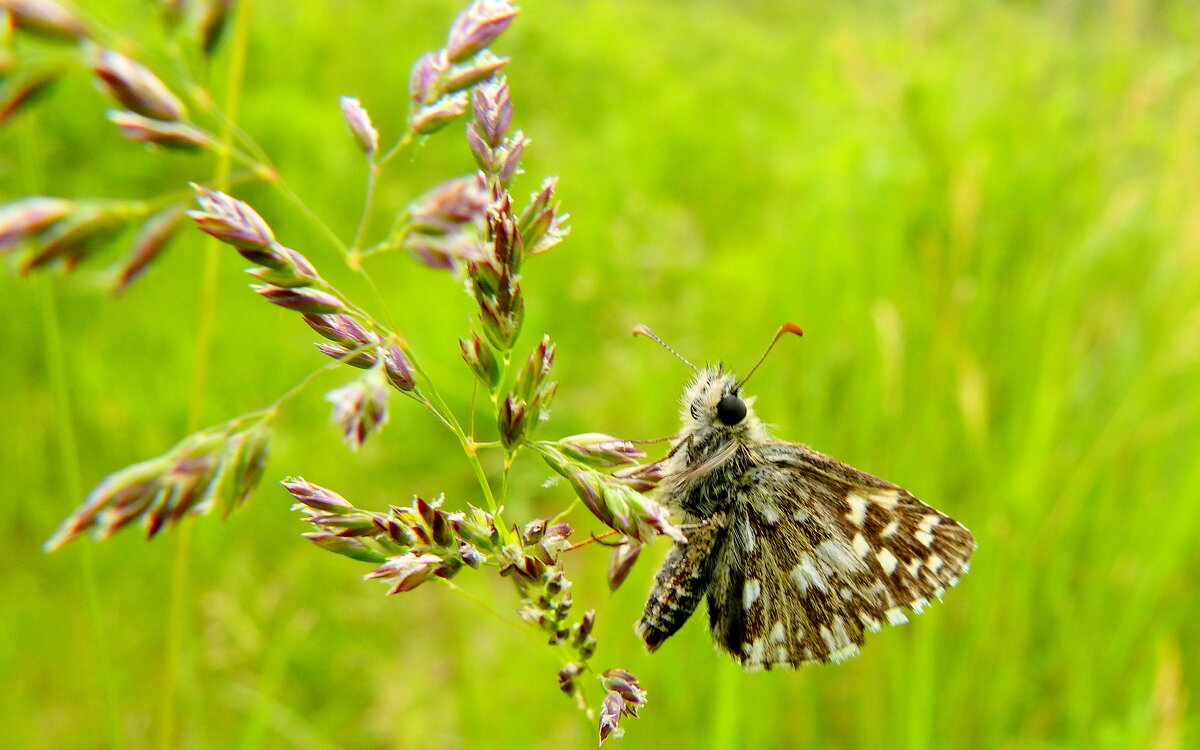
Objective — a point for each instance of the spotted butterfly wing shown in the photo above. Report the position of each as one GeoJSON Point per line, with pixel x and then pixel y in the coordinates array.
{"type": "Point", "coordinates": [817, 552]}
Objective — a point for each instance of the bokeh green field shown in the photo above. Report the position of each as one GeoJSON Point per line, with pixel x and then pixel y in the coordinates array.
{"type": "Point", "coordinates": [984, 215]}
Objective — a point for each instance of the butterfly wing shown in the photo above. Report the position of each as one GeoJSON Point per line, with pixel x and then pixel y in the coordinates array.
{"type": "Point", "coordinates": [817, 552]}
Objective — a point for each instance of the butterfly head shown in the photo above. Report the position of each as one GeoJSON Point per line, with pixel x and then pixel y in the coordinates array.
{"type": "Point", "coordinates": [714, 405]}
{"type": "Point", "coordinates": [714, 410]}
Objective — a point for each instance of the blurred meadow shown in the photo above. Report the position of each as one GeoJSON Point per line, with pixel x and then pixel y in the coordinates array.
{"type": "Point", "coordinates": [984, 215]}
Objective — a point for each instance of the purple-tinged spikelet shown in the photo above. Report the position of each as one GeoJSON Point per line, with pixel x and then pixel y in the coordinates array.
{"type": "Point", "coordinates": [172, 135]}
{"type": "Point", "coordinates": [134, 85]}
{"type": "Point", "coordinates": [22, 218]}
{"type": "Point", "coordinates": [360, 125]}
{"type": "Point", "coordinates": [152, 239]}
{"type": "Point", "coordinates": [477, 27]}
{"type": "Point", "coordinates": [45, 17]}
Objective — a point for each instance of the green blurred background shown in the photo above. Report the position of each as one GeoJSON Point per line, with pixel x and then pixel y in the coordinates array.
{"type": "Point", "coordinates": [984, 215]}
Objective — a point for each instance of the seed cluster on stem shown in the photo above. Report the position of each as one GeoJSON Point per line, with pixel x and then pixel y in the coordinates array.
{"type": "Point", "coordinates": [471, 227]}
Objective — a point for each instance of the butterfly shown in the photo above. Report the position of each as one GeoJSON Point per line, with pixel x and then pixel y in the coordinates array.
{"type": "Point", "coordinates": [797, 555]}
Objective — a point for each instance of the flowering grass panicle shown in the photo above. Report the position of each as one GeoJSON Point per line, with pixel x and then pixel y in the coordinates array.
{"type": "Point", "coordinates": [470, 226]}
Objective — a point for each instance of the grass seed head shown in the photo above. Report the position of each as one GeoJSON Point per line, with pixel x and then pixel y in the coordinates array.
{"type": "Point", "coordinates": [152, 239]}
{"type": "Point", "coordinates": [481, 68]}
{"type": "Point", "coordinates": [360, 407]}
{"type": "Point", "coordinates": [84, 230]}
{"type": "Point", "coordinates": [315, 496]}
{"type": "Point", "coordinates": [438, 114]}
{"type": "Point", "coordinates": [134, 85]}
{"type": "Point", "coordinates": [359, 122]}
{"type": "Point", "coordinates": [22, 218]}
{"type": "Point", "coordinates": [45, 18]}
{"type": "Point", "coordinates": [172, 135]}
{"type": "Point", "coordinates": [492, 108]}
{"type": "Point", "coordinates": [339, 328]}
{"type": "Point", "coordinates": [237, 223]}
{"type": "Point", "coordinates": [312, 301]}
{"type": "Point", "coordinates": [477, 27]}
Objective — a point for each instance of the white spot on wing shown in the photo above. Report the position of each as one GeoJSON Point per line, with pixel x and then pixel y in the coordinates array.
{"type": "Point", "coordinates": [913, 566]}
{"type": "Point", "coordinates": [842, 654]}
{"type": "Point", "coordinates": [754, 654]}
{"type": "Point", "coordinates": [924, 533]}
{"type": "Point", "coordinates": [802, 516]}
{"type": "Point", "coordinates": [747, 535]}
{"type": "Point", "coordinates": [887, 498]}
{"type": "Point", "coordinates": [919, 605]}
{"type": "Point", "coordinates": [935, 563]}
{"type": "Point", "coordinates": [806, 576]}
{"type": "Point", "coordinates": [838, 641]}
{"type": "Point", "coordinates": [895, 616]}
{"type": "Point", "coordinates": [827, 636]}
{"type": "Point", "coordinates": [777, 633]}
{"type": "Point", "coordinates": [839, 556]}
{"type": "Point", "coordinates": [892, 527]}
{"type": "Point", "coordinates": [861, 548]}
{"type": "Point", "coordinates": [750, 593]}
{"type": "Point", "coordinates": [886, 560]}
{"type": "Point", "coordinates": [766, 509]}
{"type": "Point", "coordinates": [858, 509]}
{"type": "Point", "coordinates": [869, 622]}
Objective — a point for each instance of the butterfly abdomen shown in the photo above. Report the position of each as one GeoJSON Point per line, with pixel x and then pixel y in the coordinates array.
{"type": "Point", "coordinates": [681, 583]}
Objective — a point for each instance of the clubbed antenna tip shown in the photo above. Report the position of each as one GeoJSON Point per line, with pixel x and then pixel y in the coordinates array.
{"type": "Point", "coordinates": [785, 328]}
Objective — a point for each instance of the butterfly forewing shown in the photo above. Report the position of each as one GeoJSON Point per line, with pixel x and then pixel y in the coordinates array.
{"type": "Point", "coordinates": [816, 553]}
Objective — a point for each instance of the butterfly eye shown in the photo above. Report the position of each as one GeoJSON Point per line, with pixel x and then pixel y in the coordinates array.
{"type": "Point", "coordinates": [731, 409]}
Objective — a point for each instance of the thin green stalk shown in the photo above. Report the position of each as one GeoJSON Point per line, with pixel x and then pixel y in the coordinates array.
{"type": "Point", "coordinates": [481, 475]}
{"type": "Point", "coordinates": [56, 366]}
{"type": "Point", "coordinates": [468, 445]}
{"type": "Point", "coordinates": [309, 214]}
{"type": "Point", "coordinates": [483, 605]}
{"type": "Point", "coordinates": [509, 457]}
{"type": "Point", "coordinates": [374, 171]}
{"type": "Point", "coordinates": [263, 163]}
{"type": "Point", "coordinates": [364, 218]}
{"type": "Point", "coordinates": [570, 509]}
{"type": "Point", "coordinates": [471, 410]}
{"type": "Point", "coordinates": [406, 142]}
{"type": "Point", "coordinates": [180, 584]}
{"type": "Point", "coordinates": [69, 463]}
{"type": "Point", "coordinates": [308, 379]}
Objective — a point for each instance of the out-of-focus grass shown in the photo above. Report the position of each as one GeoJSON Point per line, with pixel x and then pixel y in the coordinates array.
{"type": "Point", "coordinates": [984, 215]}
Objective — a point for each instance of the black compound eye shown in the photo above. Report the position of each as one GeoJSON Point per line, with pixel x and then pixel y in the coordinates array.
{"type": "Point", "coordinates": [731, 409]}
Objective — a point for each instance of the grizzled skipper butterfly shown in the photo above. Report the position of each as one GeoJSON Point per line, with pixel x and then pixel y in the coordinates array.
{"type": "Point", "coordinates": [797, 554]}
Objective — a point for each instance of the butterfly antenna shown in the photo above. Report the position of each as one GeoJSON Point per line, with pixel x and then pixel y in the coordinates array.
{"type": "Point", "coordinates": [643, 330]}
{"type": "Point", "coordinates": [785, 328]}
